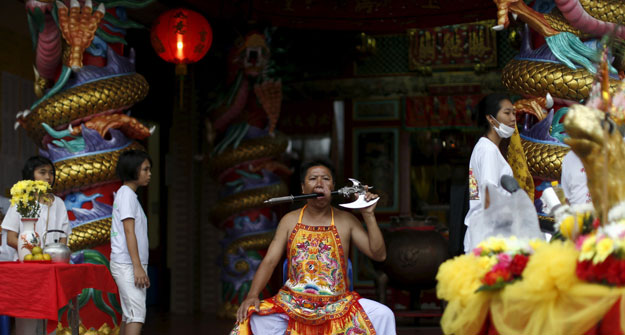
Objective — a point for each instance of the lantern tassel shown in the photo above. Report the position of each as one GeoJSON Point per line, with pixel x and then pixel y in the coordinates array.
{"type": "Point", "coordinates": [181, 71]}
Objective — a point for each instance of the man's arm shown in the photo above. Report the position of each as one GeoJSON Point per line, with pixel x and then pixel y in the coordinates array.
{"type": "Point", "coordinates": [265, 269]}
{"type": "Point", "coordinates": [371, 241]}
{"type": "Point", "coordinates": [141, 278]}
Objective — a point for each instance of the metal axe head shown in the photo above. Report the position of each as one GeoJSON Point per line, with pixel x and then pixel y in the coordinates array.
{"type": "Point", "coordinates": [359, 189]}
{"type": "Point", "coordinates": [360, 202]}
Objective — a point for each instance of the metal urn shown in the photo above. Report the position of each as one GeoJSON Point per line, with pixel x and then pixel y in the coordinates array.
{"type": "Point", "coordinates": [59, 252]}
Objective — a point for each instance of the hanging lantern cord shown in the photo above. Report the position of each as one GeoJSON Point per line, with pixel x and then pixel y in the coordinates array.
{"type": "Point", "coordinates": [181, 71]}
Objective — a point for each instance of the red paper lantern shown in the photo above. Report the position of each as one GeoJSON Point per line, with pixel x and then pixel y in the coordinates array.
{"type": "Point", "coordinates": [181, 36]}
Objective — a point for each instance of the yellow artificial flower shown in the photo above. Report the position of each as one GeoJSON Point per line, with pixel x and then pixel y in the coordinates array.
{"type": "Point", "coordinates": [493, 244]}
{"type": "Point", "coordinates": [487, 262]}
{"type": "Point", "coordinates": [588, 248]}
{"type": "Point", "coordinates": [604, 249]}
{"type": "Point", "coordinates": [566, 226]}
{"type": "Point", "coordinates": [536, 244]}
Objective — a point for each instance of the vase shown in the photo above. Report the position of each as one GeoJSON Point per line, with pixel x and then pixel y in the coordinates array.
{"type": "Point", "coordinates": [28, 238]}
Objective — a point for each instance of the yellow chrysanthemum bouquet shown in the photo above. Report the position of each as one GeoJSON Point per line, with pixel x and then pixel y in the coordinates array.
{"type": "Point", "coordinates": [26, 196]}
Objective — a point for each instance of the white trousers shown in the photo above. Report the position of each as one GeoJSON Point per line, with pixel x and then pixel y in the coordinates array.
{"type": "Point", "coordinates": [381, 317]}
{"type": "Point", "coordinates": [131, 297]}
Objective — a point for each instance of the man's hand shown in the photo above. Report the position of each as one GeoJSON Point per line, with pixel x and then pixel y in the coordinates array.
{"type": "Point", "coordinates": [141, 278]}
{"type": "Point", "coordinates": [368, 197]}
{"type": "Point", "coordinates": [245, 305]}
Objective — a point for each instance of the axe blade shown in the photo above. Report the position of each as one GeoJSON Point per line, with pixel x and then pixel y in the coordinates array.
{"type": "Point", "coordinates": [360, 202]}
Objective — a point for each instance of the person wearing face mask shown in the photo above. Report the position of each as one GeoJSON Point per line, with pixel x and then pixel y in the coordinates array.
{"type": "Point", "coordinates": [495, 113]}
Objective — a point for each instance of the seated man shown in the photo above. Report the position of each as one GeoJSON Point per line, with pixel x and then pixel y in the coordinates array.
{"type": "Point", "coordinates": [315, 298]}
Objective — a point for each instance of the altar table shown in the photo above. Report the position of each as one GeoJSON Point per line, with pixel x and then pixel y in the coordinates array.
{"type": "Point", "coordinates": [39, 290]}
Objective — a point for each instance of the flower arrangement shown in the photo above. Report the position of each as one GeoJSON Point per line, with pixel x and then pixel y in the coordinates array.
{"type": "Point", "coordinates": [602, 255]}
{"type": "Point", "coordinates": [25, 196]}
{"type": "Point", "coordinates": [507, 257]}
{"type": "Point", "coordinates": [601, 247]}
{"type": "Point", "coordinates": [575, 222]}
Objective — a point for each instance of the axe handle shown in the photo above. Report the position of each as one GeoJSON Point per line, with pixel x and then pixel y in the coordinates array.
{"type": "Point", "coordinates": [290, 198]}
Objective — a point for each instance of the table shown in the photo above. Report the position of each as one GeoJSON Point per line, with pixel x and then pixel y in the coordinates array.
{"type": "Point", "coordinates": [39, 290]}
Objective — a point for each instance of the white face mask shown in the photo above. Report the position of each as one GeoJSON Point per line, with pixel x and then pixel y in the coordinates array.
{"type": "Point", "coordinates": [502, 130]}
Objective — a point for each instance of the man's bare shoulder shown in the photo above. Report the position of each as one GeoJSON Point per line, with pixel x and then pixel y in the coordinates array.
{"type": "Point", "coordinates": [289, 220]}
{"type": "Point", "coordinates": [344, 217]}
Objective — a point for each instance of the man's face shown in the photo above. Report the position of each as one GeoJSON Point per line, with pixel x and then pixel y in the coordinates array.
{"type": "Point", "coordinates": [318, 180]}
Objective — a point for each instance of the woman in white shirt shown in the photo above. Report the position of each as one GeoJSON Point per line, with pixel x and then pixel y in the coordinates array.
{"type": "Point", "coordinates": [496, 114]}
{"type": "Point", "coordinates": [53, 216]}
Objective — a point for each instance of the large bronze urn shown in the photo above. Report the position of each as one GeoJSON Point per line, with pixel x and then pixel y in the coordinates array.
{"type": "Point", "coordinates": [414, 250]}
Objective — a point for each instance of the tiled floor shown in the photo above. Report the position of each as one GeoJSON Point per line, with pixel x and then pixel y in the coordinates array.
{"type": "Point", "coordinates": [169, 324]}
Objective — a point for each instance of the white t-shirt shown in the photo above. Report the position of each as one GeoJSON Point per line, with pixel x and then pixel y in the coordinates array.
{"type": "Point", "coordinates": [486, 166]}
{"type": "Point", "coordinates": [55, 215]}
{"type": "Point", "coordinates": [574, 180]}
{"type": "Point", "coordinates": [127, 206]}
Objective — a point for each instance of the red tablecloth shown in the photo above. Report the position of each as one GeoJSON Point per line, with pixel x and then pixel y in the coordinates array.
{"type": "Point", "coordinates": [38, 291]}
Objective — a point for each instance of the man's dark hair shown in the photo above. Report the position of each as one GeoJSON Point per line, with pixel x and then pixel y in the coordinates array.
{"type": "Point", "coordinates": [489, 105]}
{"type": "Point", "coordinates": [129, 163]}
{"type": "Point", "coordinates": [28, 172]}
{"type": "Point", "coordinates": [316, 162]}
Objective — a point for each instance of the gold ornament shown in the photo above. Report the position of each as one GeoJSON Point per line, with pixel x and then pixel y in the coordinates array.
{"type": "Point", "coordinates": [602, 152]}
{"type": "Point", "coordinates": [104, 95]}
{"type": "Point", "coordinates": [544, 160]}
{"type": "Point", "coordinates": [90, 234]}
{"type": "Point", "coordinates": [265, 147]}
{"type": "Point", "coordinates": [539, 78]}
{"type": "Point", "coordinates": [253, 198]}
{"type": "Point", "coordinates": [81, 172]}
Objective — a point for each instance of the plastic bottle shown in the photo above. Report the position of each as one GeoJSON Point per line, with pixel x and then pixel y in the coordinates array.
{"type": "Point", "coordinates": [551, 201]}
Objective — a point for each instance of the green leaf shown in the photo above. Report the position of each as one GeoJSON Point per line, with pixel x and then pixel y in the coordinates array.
{"type": "Point", "coordinates": [245, 287]}
{"type": "Point", "coordinates": [113, 300]}
{"type": "Point", "coordinates": [101, 305]}
{"type": "Point", "coordinates": [32, 28]}
{"type": "Point", "coordinates": [108, 38]}
{"type": "Point", "coordinates": [127, 3]}
{"type": "Point", "coordinates": [122, 24]}
{"type": "Point", "coordinates": [496, 287]}
{"type": "Point", "coordinates": [39, 19]}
